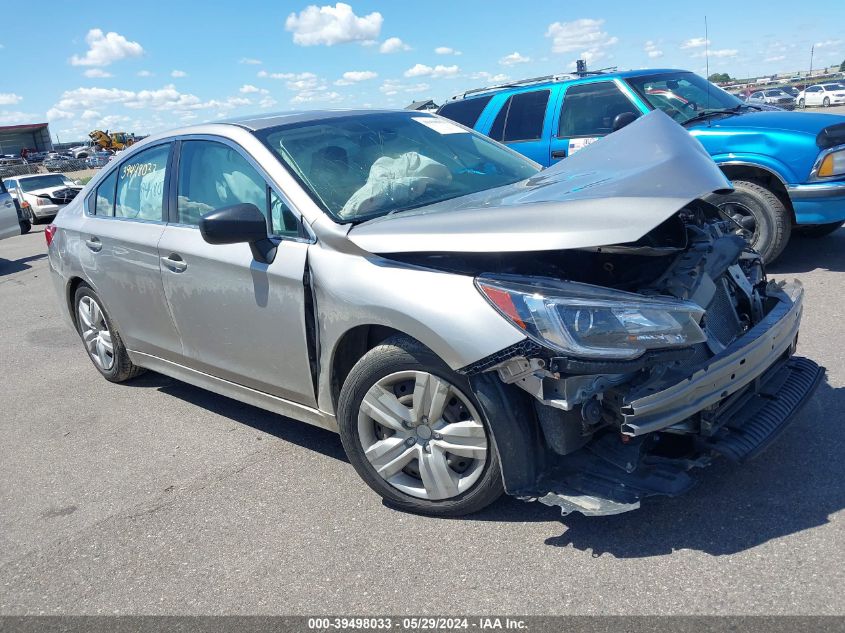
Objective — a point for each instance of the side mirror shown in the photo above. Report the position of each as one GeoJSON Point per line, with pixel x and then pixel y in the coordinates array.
{"type": "Point", "coordinates": [237, 224]}
{"type": "Point", "coordinates": [622, 119]}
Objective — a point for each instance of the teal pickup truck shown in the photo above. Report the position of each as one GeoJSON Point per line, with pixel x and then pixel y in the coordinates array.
{"type": "Point", "coordinates": [787, 168]}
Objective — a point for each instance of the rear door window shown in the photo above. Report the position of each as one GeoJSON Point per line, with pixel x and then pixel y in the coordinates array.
{"type": "Point", "coordinates": [104, 197]}
{"type": "Point", "coordinates": [589, 109]}
{"type": "Point", "coordinates": [140, 185]}
{"type": "Point", "coordinates": [466, 111]}
{"type": "Point", "coordinates": [521, 117]}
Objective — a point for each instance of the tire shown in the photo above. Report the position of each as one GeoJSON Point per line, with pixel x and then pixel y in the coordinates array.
{"type": "Point", "coordinates": [90, 323]}
{"type": "Point", "coordinates": [403, 372]}
{"type": "Point", "coordinates": [826, 102]}
{"type": "Point", "coordinates": [29, 215]}
{"type": "Point", "coordinates": [819, 230]}
{"type": "Point", "coordinates": [800, 103]}
{"type": "Point", "coordinates": [765, 219]}
{"type": "Point", "coordinates": [26, 226]}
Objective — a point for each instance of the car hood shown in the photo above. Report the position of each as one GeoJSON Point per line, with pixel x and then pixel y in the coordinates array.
{"type": "Point", "coordinates": [612, 192]}
{"type": "Point", "coordinates": [49, 191]}
{"type": "Point", "coordinates": [801, 122]}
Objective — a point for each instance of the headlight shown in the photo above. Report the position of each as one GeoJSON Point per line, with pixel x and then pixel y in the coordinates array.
{"type": "Point", "coordinates": [589, 321]}
{"type": "Point", "coordinates": [832, 165]}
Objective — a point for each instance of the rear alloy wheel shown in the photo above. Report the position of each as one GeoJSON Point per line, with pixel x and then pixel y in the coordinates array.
{"type": "Point", "coordinates": [826, 102]}
{"type": "Point", "coordinates": [760, 217]}
{"type": "Point", "coordinates": [819, 230]}
{"type": "Point", "coordinates": [102, 342]}
{"type": "Point", "coordinates": [415, 434]}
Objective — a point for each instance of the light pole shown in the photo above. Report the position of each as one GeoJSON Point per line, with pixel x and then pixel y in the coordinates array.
{"type": "Point", "coordinates": [812, 50]}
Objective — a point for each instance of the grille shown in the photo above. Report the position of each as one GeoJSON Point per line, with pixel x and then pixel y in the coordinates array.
{"type": "Point", "coordinates": [721, 320]}
{"type": "Point", "coordinates": [63, 196]}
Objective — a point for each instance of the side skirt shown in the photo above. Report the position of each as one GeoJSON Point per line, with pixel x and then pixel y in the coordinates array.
{"type": "Point", "coordinates": [235, 391]}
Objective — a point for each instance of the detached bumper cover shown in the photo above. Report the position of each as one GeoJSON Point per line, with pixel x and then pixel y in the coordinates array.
{"type": "Point", "coordinates": [734, 368]}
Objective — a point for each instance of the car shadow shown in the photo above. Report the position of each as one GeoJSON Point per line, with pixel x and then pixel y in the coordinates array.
{"type": "Point", "coordinates": [11, 266]}
{"type": "Point", "coordinates": [797, 484]}
{"type": "Point", "coordinates": [804, 254]}
{"type": "Point", "coordinates": [310, 437]}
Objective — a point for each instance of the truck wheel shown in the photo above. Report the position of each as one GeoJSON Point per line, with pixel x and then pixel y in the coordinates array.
{"type": "Point", "coordinates": [415, 433]}
{"type": "Point", "coordinates": [819, 230]}
{"type": "Point", "coordinates": [762, 217]}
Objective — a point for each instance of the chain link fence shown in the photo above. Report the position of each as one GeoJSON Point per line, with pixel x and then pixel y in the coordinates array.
{"type": "Point", "coordinates": [81, 169]}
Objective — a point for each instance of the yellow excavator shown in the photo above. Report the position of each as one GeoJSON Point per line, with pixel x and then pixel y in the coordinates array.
{"type": "Point", "coordinates": [114, 141]}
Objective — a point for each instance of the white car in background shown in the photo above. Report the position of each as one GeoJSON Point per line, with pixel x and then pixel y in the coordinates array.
{"type": "Point", "coordinates": [822, 95]}
{"type": "Point", "coordinates": [41, 196]}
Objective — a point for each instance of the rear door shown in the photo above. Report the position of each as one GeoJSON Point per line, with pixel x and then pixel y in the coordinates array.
{"type": "Point", "coordinates": [118, 251]}
{"type": "Point", "coordinates": [239, 319]}
{"type": "Point", "coordinates": [523, 123]}
{"type": "Point", "coordinates": [586, 114]}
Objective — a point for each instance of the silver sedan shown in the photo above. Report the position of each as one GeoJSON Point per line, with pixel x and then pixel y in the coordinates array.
{"type": "Point", "coordinates": [469, 323]}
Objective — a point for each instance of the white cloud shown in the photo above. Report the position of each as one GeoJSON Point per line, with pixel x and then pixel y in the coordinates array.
{"type": "Point", "coordinates": [250, 60]}
{"type": "Point", "coordinates": [310, 96]}
{"type": "Point", "coordinates": [178, 73]}
{"type": "Point", "coordinates": [250, 89]}
{"type": "Point", "coordinates": [828, 43]}
{"type": "Point", "coordinates": [583, 36]}
{"type": "Point", "coordinates": [775, 58]}
{"type": "Point", "coordinates": [652, 50]}
{"type": "Point", "coordinates": [695, 42]}
{"type": "Point", "coordinates": [96, 73]}
{"type": "Point", "coordinates": [393, 45]}
{"type": "Point", "coordinates": [446, 50]}
{"type": "Point", "coordinates": [105, 49]}
{"type": "Point", "coordinates": [513, 59]}
{"type": "Point", "coordinates": [485, 76]}
{"type": "Point", "coordinates": [9, 98]}
{"type": "Point", "coordinates": [166, 99]}
{"type": "Point", "coordinates": [144, 73]}
{"type": "Point", "coordinates": [354, 76]}
{"type": "Point", "coordinates": [719, 53]}
{"type": "Point", "coordinates": [90, 114]}
{"type": "Point", "coordinates": [392, 87]}
{"type": "Point", "coordinates": [332, 25]}
{"type": "Point", "coordinates": [267, 102]}
{"type": "Point", "coordinates": [421, 70]}
{"type": "Point", "coordinates": [9, 117]}
{"type": "Point", "coordinates": [55, 114]}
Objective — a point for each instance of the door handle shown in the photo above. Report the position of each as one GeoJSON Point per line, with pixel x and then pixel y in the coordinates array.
{"type": "Point", "coordinates": [94, 244]}
{"type": "Point", "coordinates": [559, 153]}
{"type": "Point", "coordinates": [174, 263]}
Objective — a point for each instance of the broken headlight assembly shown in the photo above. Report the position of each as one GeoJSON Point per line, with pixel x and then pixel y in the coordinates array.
{"type": "Point", "coordinates": [589, 321]}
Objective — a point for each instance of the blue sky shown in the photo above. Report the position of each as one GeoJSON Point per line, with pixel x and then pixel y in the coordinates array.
{"type": "Point", "coordinates": [145, 67]}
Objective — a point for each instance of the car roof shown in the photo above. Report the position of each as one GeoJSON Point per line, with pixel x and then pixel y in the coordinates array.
{"type": "Point", "coordinates": [264, 121]}
{"type": "Point", "coordinates": [563, 78]}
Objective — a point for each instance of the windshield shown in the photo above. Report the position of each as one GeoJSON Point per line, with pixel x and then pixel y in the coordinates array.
{"type": "Point", "coordinates": [834, 87]}
{"type": "Point", "coordinates": [363, 166]}
{"type": "Point", "coordinates": [682, 95]}
{"type": "Point", "coordinates": [42, 182]}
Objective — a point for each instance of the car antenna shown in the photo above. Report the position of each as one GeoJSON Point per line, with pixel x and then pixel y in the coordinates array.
{"type": "Point", "coordinates": [707, 63]}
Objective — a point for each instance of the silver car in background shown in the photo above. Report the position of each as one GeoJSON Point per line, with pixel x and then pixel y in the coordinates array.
{"type": "Point", "coordinates": [584, 335]}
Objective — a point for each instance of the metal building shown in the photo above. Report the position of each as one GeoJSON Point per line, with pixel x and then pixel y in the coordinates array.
{"type": "Point", "coordinates": [34, 136]}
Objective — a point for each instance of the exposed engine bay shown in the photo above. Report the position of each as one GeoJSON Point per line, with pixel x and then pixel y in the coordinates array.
{"type": "Point", "coordinates": [619, 429]}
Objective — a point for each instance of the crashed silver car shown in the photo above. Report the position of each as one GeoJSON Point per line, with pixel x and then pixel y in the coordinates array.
{"type": "Point", "coordinates": [585, 336]}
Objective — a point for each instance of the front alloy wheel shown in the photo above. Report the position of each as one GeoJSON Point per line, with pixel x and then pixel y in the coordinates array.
{"type": "Point", "coordinates": [422, 435]}
{"type": "Point", "coordinates": [415, 433]}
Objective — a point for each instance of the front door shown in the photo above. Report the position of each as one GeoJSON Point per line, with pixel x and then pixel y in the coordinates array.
{"type": "Point", "coordinates": [587, 113]}
{"type": "Point", "coordinates": [239, 319]}
{"type": "Point", "coordinates": [521, 123]}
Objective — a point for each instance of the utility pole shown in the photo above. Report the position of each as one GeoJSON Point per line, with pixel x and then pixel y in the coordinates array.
{"type": "Point", "coordinates": [812, 50]}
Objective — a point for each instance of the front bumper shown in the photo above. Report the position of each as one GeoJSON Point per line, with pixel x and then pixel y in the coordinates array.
{"type": "Point", "coordinates": [45, 210]}
{"type": "Point", "coordinates": [818, 202]}
{"type": "Point", "coordinates": [736, 366]}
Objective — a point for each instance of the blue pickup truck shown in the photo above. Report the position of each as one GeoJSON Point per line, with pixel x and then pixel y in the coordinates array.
{"type": "Point", "coordinates": [787, 168]}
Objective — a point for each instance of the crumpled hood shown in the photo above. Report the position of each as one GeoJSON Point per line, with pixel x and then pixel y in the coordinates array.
{"type": "Point", "coordinates": [612, 192]}
{"type": "Point", "coordinates": [51, 191]}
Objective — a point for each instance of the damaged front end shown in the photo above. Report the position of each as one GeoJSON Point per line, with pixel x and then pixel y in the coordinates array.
{"type": "Point", "coordinates": [657, 356]}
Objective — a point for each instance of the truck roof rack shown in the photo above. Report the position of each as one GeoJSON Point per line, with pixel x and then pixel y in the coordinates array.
{"type": "Point", "coordinates": [535, 80]}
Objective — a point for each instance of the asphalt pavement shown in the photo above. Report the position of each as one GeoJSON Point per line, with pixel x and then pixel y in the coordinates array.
{"type": "Point", "coordinates": [155, 497]}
